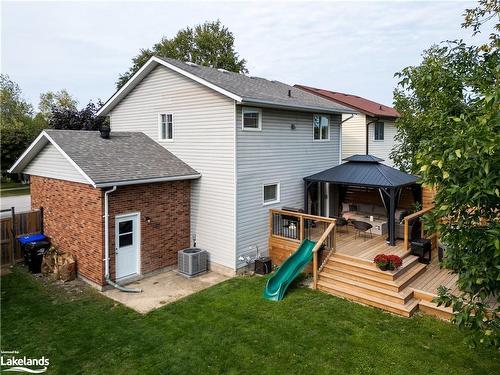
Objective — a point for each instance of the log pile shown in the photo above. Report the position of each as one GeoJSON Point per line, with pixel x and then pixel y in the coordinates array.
{"type": "Point", "coordinates": [62, 266]}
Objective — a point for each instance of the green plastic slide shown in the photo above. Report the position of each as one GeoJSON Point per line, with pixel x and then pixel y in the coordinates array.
{"type": "Point", "coordinates": [276, 286]}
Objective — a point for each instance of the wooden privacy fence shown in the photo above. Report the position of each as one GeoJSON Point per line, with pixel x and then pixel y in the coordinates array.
{"type": "Point", "coordinates": [14, 226]}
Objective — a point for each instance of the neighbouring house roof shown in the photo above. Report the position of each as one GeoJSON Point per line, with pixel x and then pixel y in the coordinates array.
{"type": "Point", "coordinates": [364, 170]}
{"type": "Point", "coordinates": [366, 106]}
{"type": "Point", "coordinates": [240, 87]}
{"type": "Point", "coordinates": [125, 158]}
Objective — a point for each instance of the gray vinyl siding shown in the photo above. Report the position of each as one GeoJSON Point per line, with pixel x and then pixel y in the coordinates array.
{"type": "Point", "coordinates": [51, 163]}
{"type": "Point", "coordinates": [204, 138]}
{"type": "Point", "coordinates": [276, 154]}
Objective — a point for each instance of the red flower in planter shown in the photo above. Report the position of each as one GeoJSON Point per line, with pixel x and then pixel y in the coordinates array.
{"type": "Point", "coordinates": [381, 261]}
{"type": "Point", "coordinates": [387, 262]}
{"type": "Point", "coordinates": [394, 261]}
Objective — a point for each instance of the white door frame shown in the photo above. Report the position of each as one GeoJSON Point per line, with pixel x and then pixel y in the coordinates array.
{"type": "Point", "coordinates": [136, 216]}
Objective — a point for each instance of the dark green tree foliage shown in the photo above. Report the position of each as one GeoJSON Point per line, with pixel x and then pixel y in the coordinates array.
{"type": "Point", "coordinates": [73, 119]}
{"type": "Point", "coordinates": [449, 134]}
{"type": "Point", "coordinates": [210, 44]}
{"type": "Point", "coordinates": [18, 128]}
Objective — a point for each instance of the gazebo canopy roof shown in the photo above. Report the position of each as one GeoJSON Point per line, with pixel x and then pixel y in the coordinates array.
{"type": "Point", "coordinates": [364, 170]}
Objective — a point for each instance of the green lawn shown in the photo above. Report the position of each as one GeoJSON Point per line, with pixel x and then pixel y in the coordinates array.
{"type": "Point", "coordinates": [228, 329]}
{"type": "Point", "coordinates": [10, 185]}
{"type": "Point", "coordinates": [8, 189]}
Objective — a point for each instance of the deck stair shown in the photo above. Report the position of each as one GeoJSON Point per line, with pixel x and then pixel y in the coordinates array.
{"type": "Point", "coordinates": [359, 280]}
{"type": "Point", "coordinates": [430, 308]}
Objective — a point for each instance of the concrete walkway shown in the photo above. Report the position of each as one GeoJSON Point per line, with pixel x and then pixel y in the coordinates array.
{"type": "Point", "coordinates": [162, 289]}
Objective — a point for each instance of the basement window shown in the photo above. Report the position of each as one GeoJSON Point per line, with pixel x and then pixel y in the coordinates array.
{"type": "Point", "coordinates": [271, 193]}
{"type": "Point", "coordinates": [166, 126]}
{"type": "Point", "coordinates": [379, 131]}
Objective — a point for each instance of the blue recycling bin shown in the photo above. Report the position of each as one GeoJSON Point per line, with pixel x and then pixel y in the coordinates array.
{"type": "Point", "coordinates": [32, 238]}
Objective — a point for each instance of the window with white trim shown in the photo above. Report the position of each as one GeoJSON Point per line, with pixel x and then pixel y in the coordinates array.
{"type": "Point", "coordinates": [378, 134]}
{"type": "Point", "coordinates": [251, 119]}
{"type": "Point", "coordinates": [271, 193]}
{"type": "Point", "coordinates": [321, 127]}
{"type": "Point", "coordinates": [166, 126]}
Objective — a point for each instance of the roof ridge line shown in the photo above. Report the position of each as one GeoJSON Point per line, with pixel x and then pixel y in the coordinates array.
{"type": "Point", "coordinates": [383, 174]}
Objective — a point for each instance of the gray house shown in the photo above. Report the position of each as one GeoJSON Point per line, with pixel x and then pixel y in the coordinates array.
{"type": "Point", "coordinates": [252, 140]}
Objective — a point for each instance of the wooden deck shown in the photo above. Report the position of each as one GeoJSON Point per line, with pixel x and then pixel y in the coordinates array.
{"type": "Point", "coordinates": [350, 273]}
{"type": "Point", "coordinates": [348, 270]}
{"type": "Point", "coordinates": [366, 247]}
{"type": "Point", "coordinates": [434, 277]}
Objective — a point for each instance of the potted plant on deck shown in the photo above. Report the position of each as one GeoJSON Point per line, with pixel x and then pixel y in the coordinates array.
{"type": "Point", "coordinates": [388, 262]}
{"type": "Point", "coordinates": [381, 261]}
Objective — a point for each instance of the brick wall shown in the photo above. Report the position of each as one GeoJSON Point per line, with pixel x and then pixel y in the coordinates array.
{"type": "Point", "coordinates": [167, 204]}
{"type": "Point", "coordinates": [72, 218]}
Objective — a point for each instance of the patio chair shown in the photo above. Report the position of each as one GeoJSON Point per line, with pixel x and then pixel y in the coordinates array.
{"type": "Point", "coordinates": [341, 222]}
{"type": "Point", "coordinates": [361, 227]}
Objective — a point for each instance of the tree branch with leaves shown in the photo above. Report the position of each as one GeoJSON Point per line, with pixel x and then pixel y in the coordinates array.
{"type": "Point", "coordinates": [210, 44]}
{"type": "Point", "coordinates": [449, 134]}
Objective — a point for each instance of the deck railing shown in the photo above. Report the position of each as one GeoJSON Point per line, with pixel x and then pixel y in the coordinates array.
{"type": "Point", "coordinates": [294, 227]}
{"type": "Point", "coordinates": [321, 241]}
{"type": "Point", "coordinates": [406, 221]}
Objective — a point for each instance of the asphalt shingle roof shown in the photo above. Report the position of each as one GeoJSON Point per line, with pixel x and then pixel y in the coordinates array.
{"type": "Point", "coordinates": [125, 156]}
{"type": "Point", "coordinates": [364, 105]}
{"type": "Point", "coordinates": [260, 90]}
{"type": "Point", "coordinates": [367, 171]}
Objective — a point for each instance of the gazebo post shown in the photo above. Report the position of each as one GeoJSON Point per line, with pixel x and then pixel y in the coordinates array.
{"type": "Point", "coordinates": [306, 200]}
{"type": "Point", "coordinates": [392, 222]}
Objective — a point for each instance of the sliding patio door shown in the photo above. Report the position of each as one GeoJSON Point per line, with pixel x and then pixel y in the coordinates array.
{"type": "Point", "coordinates": [319, 201]}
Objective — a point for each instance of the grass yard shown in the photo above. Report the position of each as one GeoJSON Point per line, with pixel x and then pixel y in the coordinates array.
{"type": "Point", "coordinates": [227, 329]}
{"type": "Point", "coordinates": [8, 189]}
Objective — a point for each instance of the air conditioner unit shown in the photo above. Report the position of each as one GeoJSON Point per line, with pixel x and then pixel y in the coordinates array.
{"type": "Point", "coordinates": [192, 261]}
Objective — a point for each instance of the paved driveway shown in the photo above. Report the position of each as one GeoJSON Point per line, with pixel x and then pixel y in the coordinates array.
{"type": "Point", "coordinates": [20, 202]}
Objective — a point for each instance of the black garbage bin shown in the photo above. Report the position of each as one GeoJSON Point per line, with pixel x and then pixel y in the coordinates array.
{"type": "Point", "coordinates": [34, 252]}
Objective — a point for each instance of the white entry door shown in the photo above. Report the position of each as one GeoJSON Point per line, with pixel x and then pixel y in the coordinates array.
{"type": "Point", "coordinates": [127, 241]}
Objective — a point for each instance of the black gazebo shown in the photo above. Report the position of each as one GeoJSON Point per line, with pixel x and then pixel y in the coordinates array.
{"type": "Point", "coordinates": [367, 171]}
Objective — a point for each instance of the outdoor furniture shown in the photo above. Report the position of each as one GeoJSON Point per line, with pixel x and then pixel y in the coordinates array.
{"type": "Point", "coordinates": [379, 223]}
{"type": "Point", "coordinates": [361, 227]}
{"type": "Point", "coordinates": [413, 229]}
{"type": "Point", "coordinates": [422, 248]}
{"type": "Point", "coordinates": [341, 222]}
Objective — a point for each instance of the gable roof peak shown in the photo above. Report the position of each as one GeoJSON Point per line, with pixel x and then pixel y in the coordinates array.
{"type": "Point", "coordinates": [243, 89]}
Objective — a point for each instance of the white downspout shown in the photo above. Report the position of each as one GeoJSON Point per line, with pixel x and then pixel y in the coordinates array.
{"type": "Point", "coordinates": [106, 246]}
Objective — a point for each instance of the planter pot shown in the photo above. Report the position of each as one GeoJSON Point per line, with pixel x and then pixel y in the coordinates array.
{"type": "Point", "coordinates": [390, 267]}
{"type": "Point", "coordinates": [383, 268]}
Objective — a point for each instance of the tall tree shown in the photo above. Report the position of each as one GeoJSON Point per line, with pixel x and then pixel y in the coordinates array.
{"type": "Point", "coordinates": [210, 44]}
{"type": "Point", "coordinates": [59, 99]}
{"type": "Point", "coordinates": [13, 106]}
{"type": "Point", "coordinates": [449, 134]}
{"type": "Point", "coordinates": [17, 127]}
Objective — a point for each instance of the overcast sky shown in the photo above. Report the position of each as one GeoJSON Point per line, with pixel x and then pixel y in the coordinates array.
{"type": "Point", "coordinates": [350, 47]}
